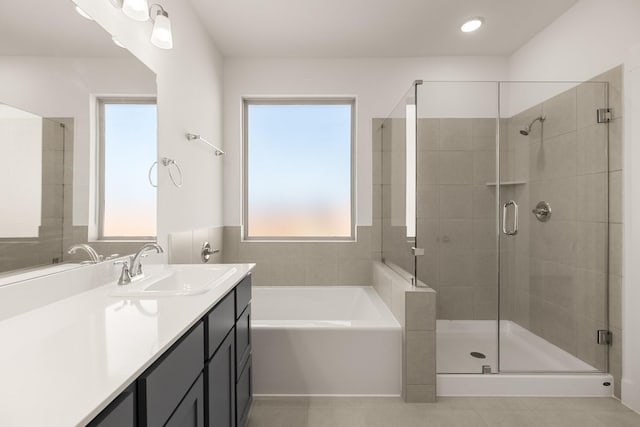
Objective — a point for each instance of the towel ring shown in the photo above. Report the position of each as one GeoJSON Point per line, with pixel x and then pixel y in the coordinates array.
{"type": "Point", "coordinates": [168, 163]}
{"type": "Point", "coordinates": [154, 164]}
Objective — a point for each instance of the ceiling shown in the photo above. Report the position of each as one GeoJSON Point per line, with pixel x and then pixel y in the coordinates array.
{"type": "Point", "coordinates": [52, 28]}
{"type": "Point", "coordinates": [373, 28]}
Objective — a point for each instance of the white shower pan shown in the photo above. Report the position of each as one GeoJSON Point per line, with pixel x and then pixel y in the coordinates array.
{"type": "Point", "coordinates": [460, 374]}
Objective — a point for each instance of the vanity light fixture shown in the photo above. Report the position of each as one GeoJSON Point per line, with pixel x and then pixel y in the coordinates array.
{"type": "Point", "coordinates": [138, 10]}
{"type": "Point", "coordinates": [472, 25]}
{"type": "Point", "coordinates": [84, 14]}
{"type": "Point", "coordinates": [161, 34]}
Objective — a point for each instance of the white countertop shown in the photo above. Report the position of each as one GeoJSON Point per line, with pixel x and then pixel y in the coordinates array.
{"type": "Point", "coordinates": [62, 363]}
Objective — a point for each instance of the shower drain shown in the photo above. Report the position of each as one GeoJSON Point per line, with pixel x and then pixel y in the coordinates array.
{"type": "Point", "coordinates": [478, 355]}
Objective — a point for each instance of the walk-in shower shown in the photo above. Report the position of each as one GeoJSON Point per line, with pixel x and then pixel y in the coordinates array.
{"type": "Point", "coordinates": [471, 172]}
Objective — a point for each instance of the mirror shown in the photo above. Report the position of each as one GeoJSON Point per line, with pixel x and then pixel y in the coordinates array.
{"type": "Point", "coordinates": [56, 68]}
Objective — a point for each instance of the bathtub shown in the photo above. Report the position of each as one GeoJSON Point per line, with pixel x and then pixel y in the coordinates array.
{"type": "Point", "coordinates": [324, 340]}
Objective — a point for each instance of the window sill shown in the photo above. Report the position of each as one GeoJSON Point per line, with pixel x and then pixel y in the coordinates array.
{"type": "Point", "coordinates": [348, 240]}
{"type": "Point", "coordinates": [122, 241]}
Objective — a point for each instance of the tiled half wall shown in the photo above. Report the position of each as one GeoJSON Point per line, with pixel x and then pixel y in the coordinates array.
{"type": "Point", "coordinates": [415, 309]}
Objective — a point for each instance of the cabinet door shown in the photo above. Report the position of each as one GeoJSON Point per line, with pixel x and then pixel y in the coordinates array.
{"type": "Point", "coordinates": [243, 339]}
{"type": "Point", "coordinates": [221, 377]}
{"type": "Point", "coordinates": [190, 411]}
{"type": "Point", "coordinates": [162, 387]}
{"type": "Point", "coordinates": [219, 322]}
{"type": "Point", "coordinates": [243, 295]}
{"type": "Point", "coordinates": [244, 395]}
{"type": "Point", "coordinates": [120, 413]}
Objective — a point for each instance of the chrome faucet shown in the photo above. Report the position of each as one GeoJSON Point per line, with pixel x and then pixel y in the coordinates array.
{"type": "Point", "coordinates": [136, 260]}
{"type": "Point", "coordinates": [93, 255]}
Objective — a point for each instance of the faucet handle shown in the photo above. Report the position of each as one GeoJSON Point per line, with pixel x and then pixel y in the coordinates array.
{"type": "Point", "coordinates": [139, 269]}
{"type": "Point", "coordinates": [125, 274]}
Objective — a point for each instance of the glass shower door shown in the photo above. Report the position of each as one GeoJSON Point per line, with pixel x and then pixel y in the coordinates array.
{"type": "Point", "coordinates": [553, 162]}
{"type": "Point", "coordinates": [457, 219]}
{"type": "Point", "coordinates": [397, 187]}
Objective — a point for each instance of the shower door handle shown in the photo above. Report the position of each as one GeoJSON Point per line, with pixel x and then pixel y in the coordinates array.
{"type": "Point", "coordinates": [505, 208]}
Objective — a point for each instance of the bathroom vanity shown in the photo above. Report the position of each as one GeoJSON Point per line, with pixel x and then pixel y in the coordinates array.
{"type": "Point", "coordinates": [99, 359]}
{"type": "Point", "coordinates": [202, 380]}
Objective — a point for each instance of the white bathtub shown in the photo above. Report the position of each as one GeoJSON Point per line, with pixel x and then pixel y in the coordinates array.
{"type": "Point", "coordinates": [324, 340]}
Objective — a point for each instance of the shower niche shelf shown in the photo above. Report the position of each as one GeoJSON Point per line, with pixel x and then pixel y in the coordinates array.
{"type": "Point", "coordinates": [493, 184]}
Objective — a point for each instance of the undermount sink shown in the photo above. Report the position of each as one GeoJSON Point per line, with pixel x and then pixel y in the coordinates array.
{"type": "Point", "coordinates": [175, 280]}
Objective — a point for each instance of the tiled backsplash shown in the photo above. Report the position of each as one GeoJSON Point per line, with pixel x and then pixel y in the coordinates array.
{"type": "Point", "coordinates": [306, 263]}
{"type": "Point", "coordinates": [185, 247]}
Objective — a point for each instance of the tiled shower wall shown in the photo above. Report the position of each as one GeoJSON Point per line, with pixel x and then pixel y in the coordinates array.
{"type": "Point", "coordinates": [456, 209]}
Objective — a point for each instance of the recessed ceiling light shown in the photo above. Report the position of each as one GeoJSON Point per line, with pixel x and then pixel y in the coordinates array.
{"type": "Point", "coordinates": [471, 25]}
{"type": "Point", "coordinates": [83, 13]}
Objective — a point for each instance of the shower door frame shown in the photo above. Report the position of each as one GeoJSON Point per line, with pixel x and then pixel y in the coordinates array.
{"type": "Point", "coordinates": [499, 267]}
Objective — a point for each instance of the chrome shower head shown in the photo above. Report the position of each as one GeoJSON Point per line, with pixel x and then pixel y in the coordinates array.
{"type": "Point", "coordinates": [527, 129]}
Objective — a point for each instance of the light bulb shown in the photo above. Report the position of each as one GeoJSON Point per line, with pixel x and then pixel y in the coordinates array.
{"type": "Point", "coordinates": [161, 35]}
{"type": "Point", "coordinates": [471, 25]}
{"type": "Point", "coordinates": [137, 10]}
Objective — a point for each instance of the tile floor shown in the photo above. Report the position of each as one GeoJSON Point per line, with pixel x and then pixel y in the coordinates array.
{"type": "Point", "coordinates": [448, 411]}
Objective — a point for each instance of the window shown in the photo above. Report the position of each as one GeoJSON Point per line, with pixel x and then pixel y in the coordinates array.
{"type": "Point", "coordinates": [298, 172]}
{"type": "Point", "coordinates": [127, 141]}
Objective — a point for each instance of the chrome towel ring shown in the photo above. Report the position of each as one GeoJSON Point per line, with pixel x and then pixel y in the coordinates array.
{"type": "Point", "coordinates": [154, 164]}
{"type": "Point", "coordinates": [172, 165]}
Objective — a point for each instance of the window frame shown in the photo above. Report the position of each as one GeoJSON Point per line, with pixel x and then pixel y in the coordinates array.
{"type": "Point", "coordinates": [101, 101]}
{"type": "Point", "coordinates": [307, 100]}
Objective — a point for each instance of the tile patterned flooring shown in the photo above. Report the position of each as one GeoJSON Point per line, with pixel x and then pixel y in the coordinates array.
{"type": "Point", "coordinates": [448, 411]}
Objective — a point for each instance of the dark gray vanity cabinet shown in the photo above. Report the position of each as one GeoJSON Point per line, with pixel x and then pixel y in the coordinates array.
{"type": "Point", "coordinates": [229, 394]}
{"type": "Point", "coordinates": [203, 380]}
{"type": "Point", "coordinates": [120, 413]}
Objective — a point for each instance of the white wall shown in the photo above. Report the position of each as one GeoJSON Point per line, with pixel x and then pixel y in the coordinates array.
{"type": "Point", "coordinates": [590, 38]}
{"type": "Point", "coordinates": [378, 85]}
{"type": "Point", "coordinates": [189, 79]}
{"type": "Point", "coordinates": [631, 244]}
{"type": "Point", "coordinates": [62, 87]}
